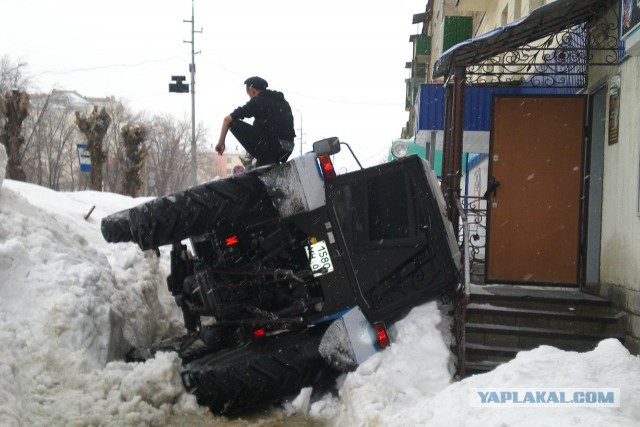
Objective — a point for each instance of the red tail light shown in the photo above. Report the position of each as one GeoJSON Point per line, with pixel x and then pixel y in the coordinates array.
{"type": "Point", "coordinates": [259, 333]}
{"type": "Point", "coordinates": [232, 240]}
{"type": "Point", "coordinates": [327, 167]}
{"type": "Point", "coordinates": [381, 335]}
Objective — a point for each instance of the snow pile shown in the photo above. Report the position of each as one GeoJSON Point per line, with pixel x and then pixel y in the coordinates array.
{"type": "Point", "coordinates": [384, 390]}
{"type": "Point", "coordinates": [608, 366]}
{"type": "Point", "coordinates": [395, 388]}
{"type": "Point", "coordinates": [71, 304]}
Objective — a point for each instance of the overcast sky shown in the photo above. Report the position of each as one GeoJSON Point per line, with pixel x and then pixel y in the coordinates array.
{"type": "Point", "coordinates": [340, 63]}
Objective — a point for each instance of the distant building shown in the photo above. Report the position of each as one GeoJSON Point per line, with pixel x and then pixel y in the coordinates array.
{"type": "Point", "coordinates": [63, 99]}
{"type": "Point", "coordinates": [212, 165]}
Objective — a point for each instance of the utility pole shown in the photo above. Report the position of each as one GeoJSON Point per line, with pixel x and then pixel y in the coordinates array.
{"type": "Point", "coordinates": [192, 70]}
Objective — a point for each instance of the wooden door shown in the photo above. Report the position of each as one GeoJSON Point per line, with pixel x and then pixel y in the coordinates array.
{"type": "Point", "coordinates": [534, 214]}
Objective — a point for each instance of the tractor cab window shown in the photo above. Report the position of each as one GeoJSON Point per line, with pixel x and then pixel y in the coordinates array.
{"type": "Point", "coordinates": [388, 220]}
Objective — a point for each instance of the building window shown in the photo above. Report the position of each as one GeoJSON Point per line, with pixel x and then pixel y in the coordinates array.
{"type": "Point", "coordinates": [228, 159]}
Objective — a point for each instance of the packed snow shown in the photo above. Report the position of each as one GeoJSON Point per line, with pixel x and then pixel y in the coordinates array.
{"type": "Point", "coordinates": [72, 305]}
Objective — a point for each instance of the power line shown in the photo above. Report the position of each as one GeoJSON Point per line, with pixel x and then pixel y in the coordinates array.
{"type": "Point", "coordinates": [106, 67]}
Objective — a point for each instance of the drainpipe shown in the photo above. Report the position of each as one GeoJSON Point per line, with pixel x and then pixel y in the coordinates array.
{"type": "Point", "coordinates": [455, 175]}
{"type": "Point", "coordinates": [446, 144]}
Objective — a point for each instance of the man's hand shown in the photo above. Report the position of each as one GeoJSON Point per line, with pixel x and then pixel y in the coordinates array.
{"type": "Point", "coordinates": [223, 134]}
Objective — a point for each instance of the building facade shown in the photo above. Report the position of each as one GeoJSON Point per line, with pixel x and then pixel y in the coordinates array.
{"type": "Point", "coordinates": [211, 165]}
{"type": "Point", "coordinates": [610, 86]}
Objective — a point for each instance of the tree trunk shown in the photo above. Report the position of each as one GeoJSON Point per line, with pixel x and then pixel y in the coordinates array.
{"type": "Point", "coordinates": [94, 128]}
{"type": "Point", "coordinates": [14, 107]}
{"type": "Point", "coordinates": [135, 151]}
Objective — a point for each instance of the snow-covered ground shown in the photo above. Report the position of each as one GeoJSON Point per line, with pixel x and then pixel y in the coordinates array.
{"type": "Point", "coordinates": [71, 305]}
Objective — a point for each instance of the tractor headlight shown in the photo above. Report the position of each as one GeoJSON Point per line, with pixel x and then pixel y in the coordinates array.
{"type": "Point", "coordinates": [399, 149]}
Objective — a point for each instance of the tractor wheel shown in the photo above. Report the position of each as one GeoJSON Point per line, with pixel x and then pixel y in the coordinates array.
{"type": "Point", "coordinates": [115, 227]}
{"type": "Point", "coordinates": [258, 373]}
{"type": "Point", "coordinates": [199, 209]}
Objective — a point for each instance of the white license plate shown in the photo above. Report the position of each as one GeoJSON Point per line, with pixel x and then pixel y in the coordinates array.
{"type": "Point", "coordinates": [319, 258]}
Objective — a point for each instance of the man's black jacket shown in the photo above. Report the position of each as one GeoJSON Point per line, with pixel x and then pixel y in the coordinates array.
{"type": "Point", "coordinates": [272, 114]}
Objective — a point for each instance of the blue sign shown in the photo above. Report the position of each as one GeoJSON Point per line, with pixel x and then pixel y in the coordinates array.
{"type": "Point", "coordinates": [237, 169]}
{"type": "Point", "coordinates": [84, 157]}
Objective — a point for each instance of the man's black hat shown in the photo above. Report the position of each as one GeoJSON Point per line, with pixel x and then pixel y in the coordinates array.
{"type": "Point", "coordinates": [256, 82]}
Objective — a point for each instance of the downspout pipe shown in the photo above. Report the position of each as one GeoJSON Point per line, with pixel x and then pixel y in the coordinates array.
{"type": "Point", "coordinates": [457, 139]}
{"type": "Point", "coordinates": [447, 166]}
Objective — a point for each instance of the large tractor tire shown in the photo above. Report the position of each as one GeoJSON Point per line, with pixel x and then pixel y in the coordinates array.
{"type": "Point", "coordinates": [115, 227]}
{"type": "Point", "coordinates": [192, 212]}
{"type": "Point", "coordinates": [258, 373]}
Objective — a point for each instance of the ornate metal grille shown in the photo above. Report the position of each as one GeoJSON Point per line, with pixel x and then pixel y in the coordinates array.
{"type": "Point", "coordinates": [561, 59]}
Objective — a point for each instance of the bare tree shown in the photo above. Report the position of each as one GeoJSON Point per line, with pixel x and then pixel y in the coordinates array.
{"type": "Point", "coordinates": [112, 144]}
{"type": "Point", "coordinates": [11, 75]}
{"type": "Point", "coordinates": [168, 161]}
{"type": "Point", "coordinates": [94, 128]}
{"type": "Point", "coordinates": [50, 150]}
{"type": "Point", "coordinates": [13, 106]}
{"type": "Point", "coordinates": [135, 152]}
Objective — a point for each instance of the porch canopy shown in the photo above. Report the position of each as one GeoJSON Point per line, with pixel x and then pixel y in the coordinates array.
{"type": "Point", "coordinates": [550, 40]}
{"type": "Point", "coordinates": [552, 47]}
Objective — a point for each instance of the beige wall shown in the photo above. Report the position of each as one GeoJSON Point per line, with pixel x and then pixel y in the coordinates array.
{"type": "Point", "coordinates": [491, 14]}
{"type": "Point", "coordinates": [441, 8]}
{"type": "Point", "coordinates": [621, 223]}
{"type": "Point", "coordinates": [620, 244]}
{"type": "Point", "coordinates": [620, 258]}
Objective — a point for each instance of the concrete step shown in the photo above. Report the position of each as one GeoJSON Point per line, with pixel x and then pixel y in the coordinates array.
{"type": "Point", "coordinates": [478, 352]}
{"type": "Point", "coordinates": [480, 367]}
{"type": "Point", "coordinates": [531, 337]}
{"type": "Point", "coordinates": [604, 320]}
{"type": "Point", "coordinates": [502, 320]}
{"type": "Point", "coordinates": [538, 298]}
{"type": "Point", "coordinates": [608, 316]}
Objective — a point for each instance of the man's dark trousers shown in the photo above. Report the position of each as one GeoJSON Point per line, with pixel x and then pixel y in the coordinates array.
{"type": "Point", "coordinates": [266, 149]}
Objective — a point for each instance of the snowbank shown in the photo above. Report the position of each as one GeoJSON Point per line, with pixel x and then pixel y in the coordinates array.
{"type": "Point", "coordinates": [71, 304]}
{"type": "Point", "coordinates": [608, 366]}
{"type": "Point", "coordinates": [384, 389]}
{"type": "Point", "coordinates": [396, 389]}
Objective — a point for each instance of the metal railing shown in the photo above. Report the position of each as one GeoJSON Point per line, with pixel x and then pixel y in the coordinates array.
{"type": "Point", "coordinates": [472, 241]}
{"type": "Point", "coordinates": [474, 208]}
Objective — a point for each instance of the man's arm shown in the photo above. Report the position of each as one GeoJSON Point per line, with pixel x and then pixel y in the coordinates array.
{"type": "Point", "coordinates": [223, 134]}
